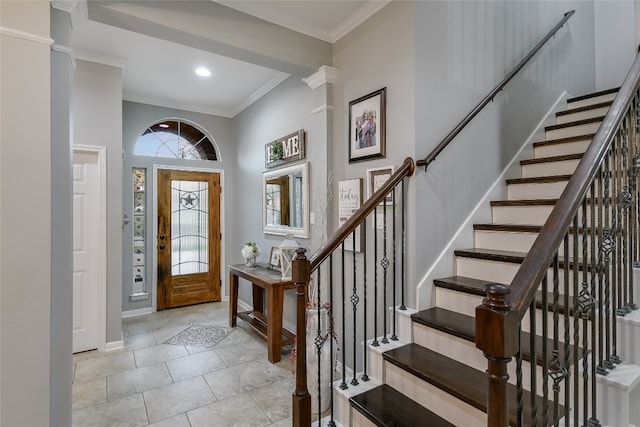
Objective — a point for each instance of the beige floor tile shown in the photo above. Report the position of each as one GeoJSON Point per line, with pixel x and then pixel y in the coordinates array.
{"type": "Point", "coordinates": [189, 319]}
{"type": "Point", "coordinates": [158, 353]}
{"type": "Point", "coordinates": [88, 393]}
{"type": "Point", "coordinates": [167, 333]}
{"type": "Point", "coordinates": [173, 399]}
{"type": "Point", "coordinates": [198, 364]}
{"type": "Point", "coordinates": [287, 422]}
{"type": "Point", "coordinates": [137, 381]}
{"type": "Point", "coordinates": [177, 421]}
{"type": "Point", "coordinates": [134, 342]}
{"type": "Point", "coordinates": [235, 380]}
{"type": "Point", "coordinates": [238, 411]}
{"type": "Point", "coordinates": [239, 354]}
{"type": "Point", "coordinates": [147, 326]}
{"type": "Point", "coordinates": [103, 365]}
{"type": "Point", "coordinates": [277, 371]}
{"type": "Point", "coordinates": [127, 412]}
{"type": "Point", "coordinates": [275, 399]}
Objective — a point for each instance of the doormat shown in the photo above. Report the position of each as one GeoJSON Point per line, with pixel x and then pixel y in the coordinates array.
{"type": "Point", "coordinates": [200, 336]}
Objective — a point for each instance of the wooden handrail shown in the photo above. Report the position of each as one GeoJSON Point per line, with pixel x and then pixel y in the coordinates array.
{"type": "Point", "coordinates": [467, 119]}
{"type": "Point", "coordinates": [534, 267]}
{"type": "Point", "coordinates": [405, 170]}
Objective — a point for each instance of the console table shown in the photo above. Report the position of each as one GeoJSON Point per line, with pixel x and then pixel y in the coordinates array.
{"type": "Point", "coordinates": [263, 280]}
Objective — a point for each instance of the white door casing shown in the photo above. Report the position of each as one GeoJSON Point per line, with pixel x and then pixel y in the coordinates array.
{"type": "Point", "coordinates": [89, 239]}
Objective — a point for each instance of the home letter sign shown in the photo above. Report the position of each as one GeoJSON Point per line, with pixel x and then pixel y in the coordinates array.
{"type": "Point", "coordinates": [284, 150]}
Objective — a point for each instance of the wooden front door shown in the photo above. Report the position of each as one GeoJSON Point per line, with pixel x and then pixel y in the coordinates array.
{"type": "Point", "coordinates": [188, 238]}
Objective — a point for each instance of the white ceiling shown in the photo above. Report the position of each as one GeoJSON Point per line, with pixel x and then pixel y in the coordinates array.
{"type": "Point", "coordinates": [161, 73]}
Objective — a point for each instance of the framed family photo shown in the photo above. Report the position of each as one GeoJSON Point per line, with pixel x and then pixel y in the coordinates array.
{"type": "Point", "coordinates": [274, 258]}
{"type": "Point", "coordinates": [349, 201]}
{"type": "Point", "coordinates": [367, 127]}
{"type": "Point", "coordinates": [376, 179]}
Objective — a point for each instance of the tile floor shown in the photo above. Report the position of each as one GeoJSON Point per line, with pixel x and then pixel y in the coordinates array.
{"type": "Point", "coordinates": [183, 367]}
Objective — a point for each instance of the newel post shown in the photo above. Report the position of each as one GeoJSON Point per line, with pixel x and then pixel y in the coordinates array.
{"type": "Point", "coordinates": [301, 275]}
{"type": "Point", "coordinates": [497, 329]}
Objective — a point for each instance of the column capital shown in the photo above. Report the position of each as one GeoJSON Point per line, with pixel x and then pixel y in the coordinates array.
{"type": "Point", "coordinates": [324, 75]}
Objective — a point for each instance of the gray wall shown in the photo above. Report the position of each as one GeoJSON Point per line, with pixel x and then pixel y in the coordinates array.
{"type": "Point", "coordinates": [25, 217]}
{"type": "Point", "coordinates": [136, 119]}
{"type": "Point", "coordinates": [97, 118]}
{"type": "Point", "coordinates": [463, 49]}
{"type": "Point", "coordinates": [284, 110]}
{"type": "Point", "coordinates": [61, 222]}
{"type": "Point", "coordinates": [616, 44]}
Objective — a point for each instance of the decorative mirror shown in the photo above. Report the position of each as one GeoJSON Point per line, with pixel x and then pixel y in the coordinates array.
{"type": "Point", "coordinates": [285, 201]}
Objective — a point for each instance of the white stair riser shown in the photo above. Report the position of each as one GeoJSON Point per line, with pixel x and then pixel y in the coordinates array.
{"type": "Point", "coordinates": [582, 115]}
{"type": "Point", "coordinates": [567, 132]}
{"type": "Point", "coordinates": [591, 101]}
{"type": "Point", "coordinates": [465, 351]}
{"type": "Point", "coordinates": [359, 420]}
{"type": "Point", "coordinates": [513, 241]}
{"type": "Point", "coordinates": [466, 304]}
{"type": "Point", "coordinates": [574, 147]}
{"type": "Point", "coordinates": [446, 406]}
{"type": "Point", "coordinates": [523, 215]}
{"type": "Point", "coordinates": [529, 215]}
{"type": "Point", "coordinates": [565, 167]}
{"type": "Point", "coordinates": [547, 190]}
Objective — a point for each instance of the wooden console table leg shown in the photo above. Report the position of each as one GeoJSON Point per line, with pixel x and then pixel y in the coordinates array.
{"type": "Point", "coordinates": [233, 299]}
{"type": "Point", "coordinates": [258, 299]}
{"type": "Point", "coordinates": [275, 299]}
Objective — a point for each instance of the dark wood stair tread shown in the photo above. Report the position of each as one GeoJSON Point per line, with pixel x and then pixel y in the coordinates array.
{"type": "Point", "coordinates": [565, 140]}
{"type": "Point", "coordinates": [551, 159]}
{"type": "Point", "coordinates": [461, 381]}
{"type": "Point", "coordinates": [593, 95]}
{"type": "Point", "coordinates": [385, 406]}
{"type": "Point", "coordinates": [575, 123]}
{"type": "Point", "coordinates": [585, 108]}
{"type": "Point", "coordinates": [463, 326]}
{"type": "Point", "coordinates": [512, 228]}
{"type": "Point", "coordinates": [473, 286]}
{"type": "Point", "coordinates": [513, 257]}
{"type": "Point", "coordinates": [525, 202]}
{"type": "Point", "coordinates": [539, 179]}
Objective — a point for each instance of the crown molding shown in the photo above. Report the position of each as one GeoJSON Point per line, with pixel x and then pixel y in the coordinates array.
{"type": "Point", "coordinates": [322, 109]}
{"type": "Point", "coordinates": [66, 50]}
{"type": "Point", "coordinates": [279, 78]}
{"type": "Point", "coordinates": [324, 75]}
{"type": "Point", "coordinates": [100, 58]}
{"type": "Point", "coordinates": [25, 36]}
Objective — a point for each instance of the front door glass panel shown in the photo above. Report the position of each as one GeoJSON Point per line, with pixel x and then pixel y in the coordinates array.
{"type": "Point", "coordinates": [189, 227]}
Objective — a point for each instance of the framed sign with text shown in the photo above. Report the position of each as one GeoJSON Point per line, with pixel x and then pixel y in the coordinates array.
{"type": "Point", "coordinates": [289, 148]}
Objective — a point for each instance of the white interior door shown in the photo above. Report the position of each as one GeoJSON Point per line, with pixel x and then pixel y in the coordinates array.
{"type": "Point", "coordinates": [86, 249]}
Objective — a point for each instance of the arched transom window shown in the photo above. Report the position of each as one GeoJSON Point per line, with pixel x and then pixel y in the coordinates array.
{"type": "Point", "coordinates": [175, 139]}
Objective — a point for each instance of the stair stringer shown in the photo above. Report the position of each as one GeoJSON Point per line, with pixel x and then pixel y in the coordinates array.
{"type": "Point", "coordinates": [482, 212]}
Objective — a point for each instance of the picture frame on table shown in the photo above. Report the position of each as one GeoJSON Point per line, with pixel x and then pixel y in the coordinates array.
{"type": "Point", "coordinates": [367, 127]}
{"type": "Point", "coordinates": [376, 178]}
{"type": "Point", "coordinates": [274, 258]}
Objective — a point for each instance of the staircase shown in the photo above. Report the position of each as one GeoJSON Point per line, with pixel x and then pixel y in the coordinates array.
{"type": "Point", "coordinates": [434, 375]}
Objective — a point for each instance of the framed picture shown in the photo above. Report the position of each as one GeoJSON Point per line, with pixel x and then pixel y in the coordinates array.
{"type": "Point", "coordinates": [349, 201]}
{"type": "Point", "coordinates": [376, 179]}
{"type": "Point", "coordinates": [274, 258]}
{"type": "Point", "coordinates": [367, 127]}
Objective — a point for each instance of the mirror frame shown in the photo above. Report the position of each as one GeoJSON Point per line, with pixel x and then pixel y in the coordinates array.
{"type": "Point", "coordinates": [284, 230]}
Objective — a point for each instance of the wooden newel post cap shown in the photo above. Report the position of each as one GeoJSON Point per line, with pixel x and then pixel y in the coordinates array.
{"type": "Point", "coordinates": [496, 296]}
{"type": "Point", "coordinates": [300, 268]}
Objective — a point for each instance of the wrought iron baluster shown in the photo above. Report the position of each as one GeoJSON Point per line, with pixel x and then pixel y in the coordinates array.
{"type": "Point", "coordinates": [557, 369]}
{"type": "Point", "coordinates": [363, 231]}
{"type": "Point", "coordinates": [375, 342]}
{"type": "Point", "coordinates": [585, 305]}
{"type": "Point", "coordinates": [545, 352]}
{"type": "Point", "coordinates": [402, 284]}
{"type": "Point", "coordinates": [354, 302]}
{"type": "Point", "coordinates": [573, 264]}
{"type": "Point", "coordinates": [384, 262]}
{"type": "Point", "coordinates": [394, 335]}
{"type": "Point", "coordinates": [567, 327]}
{"type": "Point", "coordinates": [609, 244]}
{"type": "Point", "coordinates": [533, 364]}
{"type": "Point", "coordinates": [603, 260]}
{"type": "Point", "coordinates": [319, 343]}
{"type": "Point", "coordinates": [343, 384]}
{"type": "Point", "coordinates": [519, 384]}
{"type": "Point", "coordinates": [332, 334]}
{"type": "Point", "coordinates": [594, 275]}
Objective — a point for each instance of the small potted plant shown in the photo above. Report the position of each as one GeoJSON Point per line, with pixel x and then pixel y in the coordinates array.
{"type": "Point", "coordinates": [250, 250]}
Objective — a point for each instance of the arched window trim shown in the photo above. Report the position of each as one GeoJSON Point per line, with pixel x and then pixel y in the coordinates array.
{"type": "Point", "coordinates": [208, 150]}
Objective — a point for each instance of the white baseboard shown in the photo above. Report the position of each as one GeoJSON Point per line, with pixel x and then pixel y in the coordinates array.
{"type": "Point", "coordinates": [114, 346]}
{"type": "Point", "coordinates": [444, 264]}
{"type": "Point", "coordinates": [139, 312]}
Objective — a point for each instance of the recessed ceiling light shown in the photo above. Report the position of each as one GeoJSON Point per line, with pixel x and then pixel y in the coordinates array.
{"type": "Point", "coordinates": [163, 125]}
{"type": "Point", "coordinates": [203, 72]}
